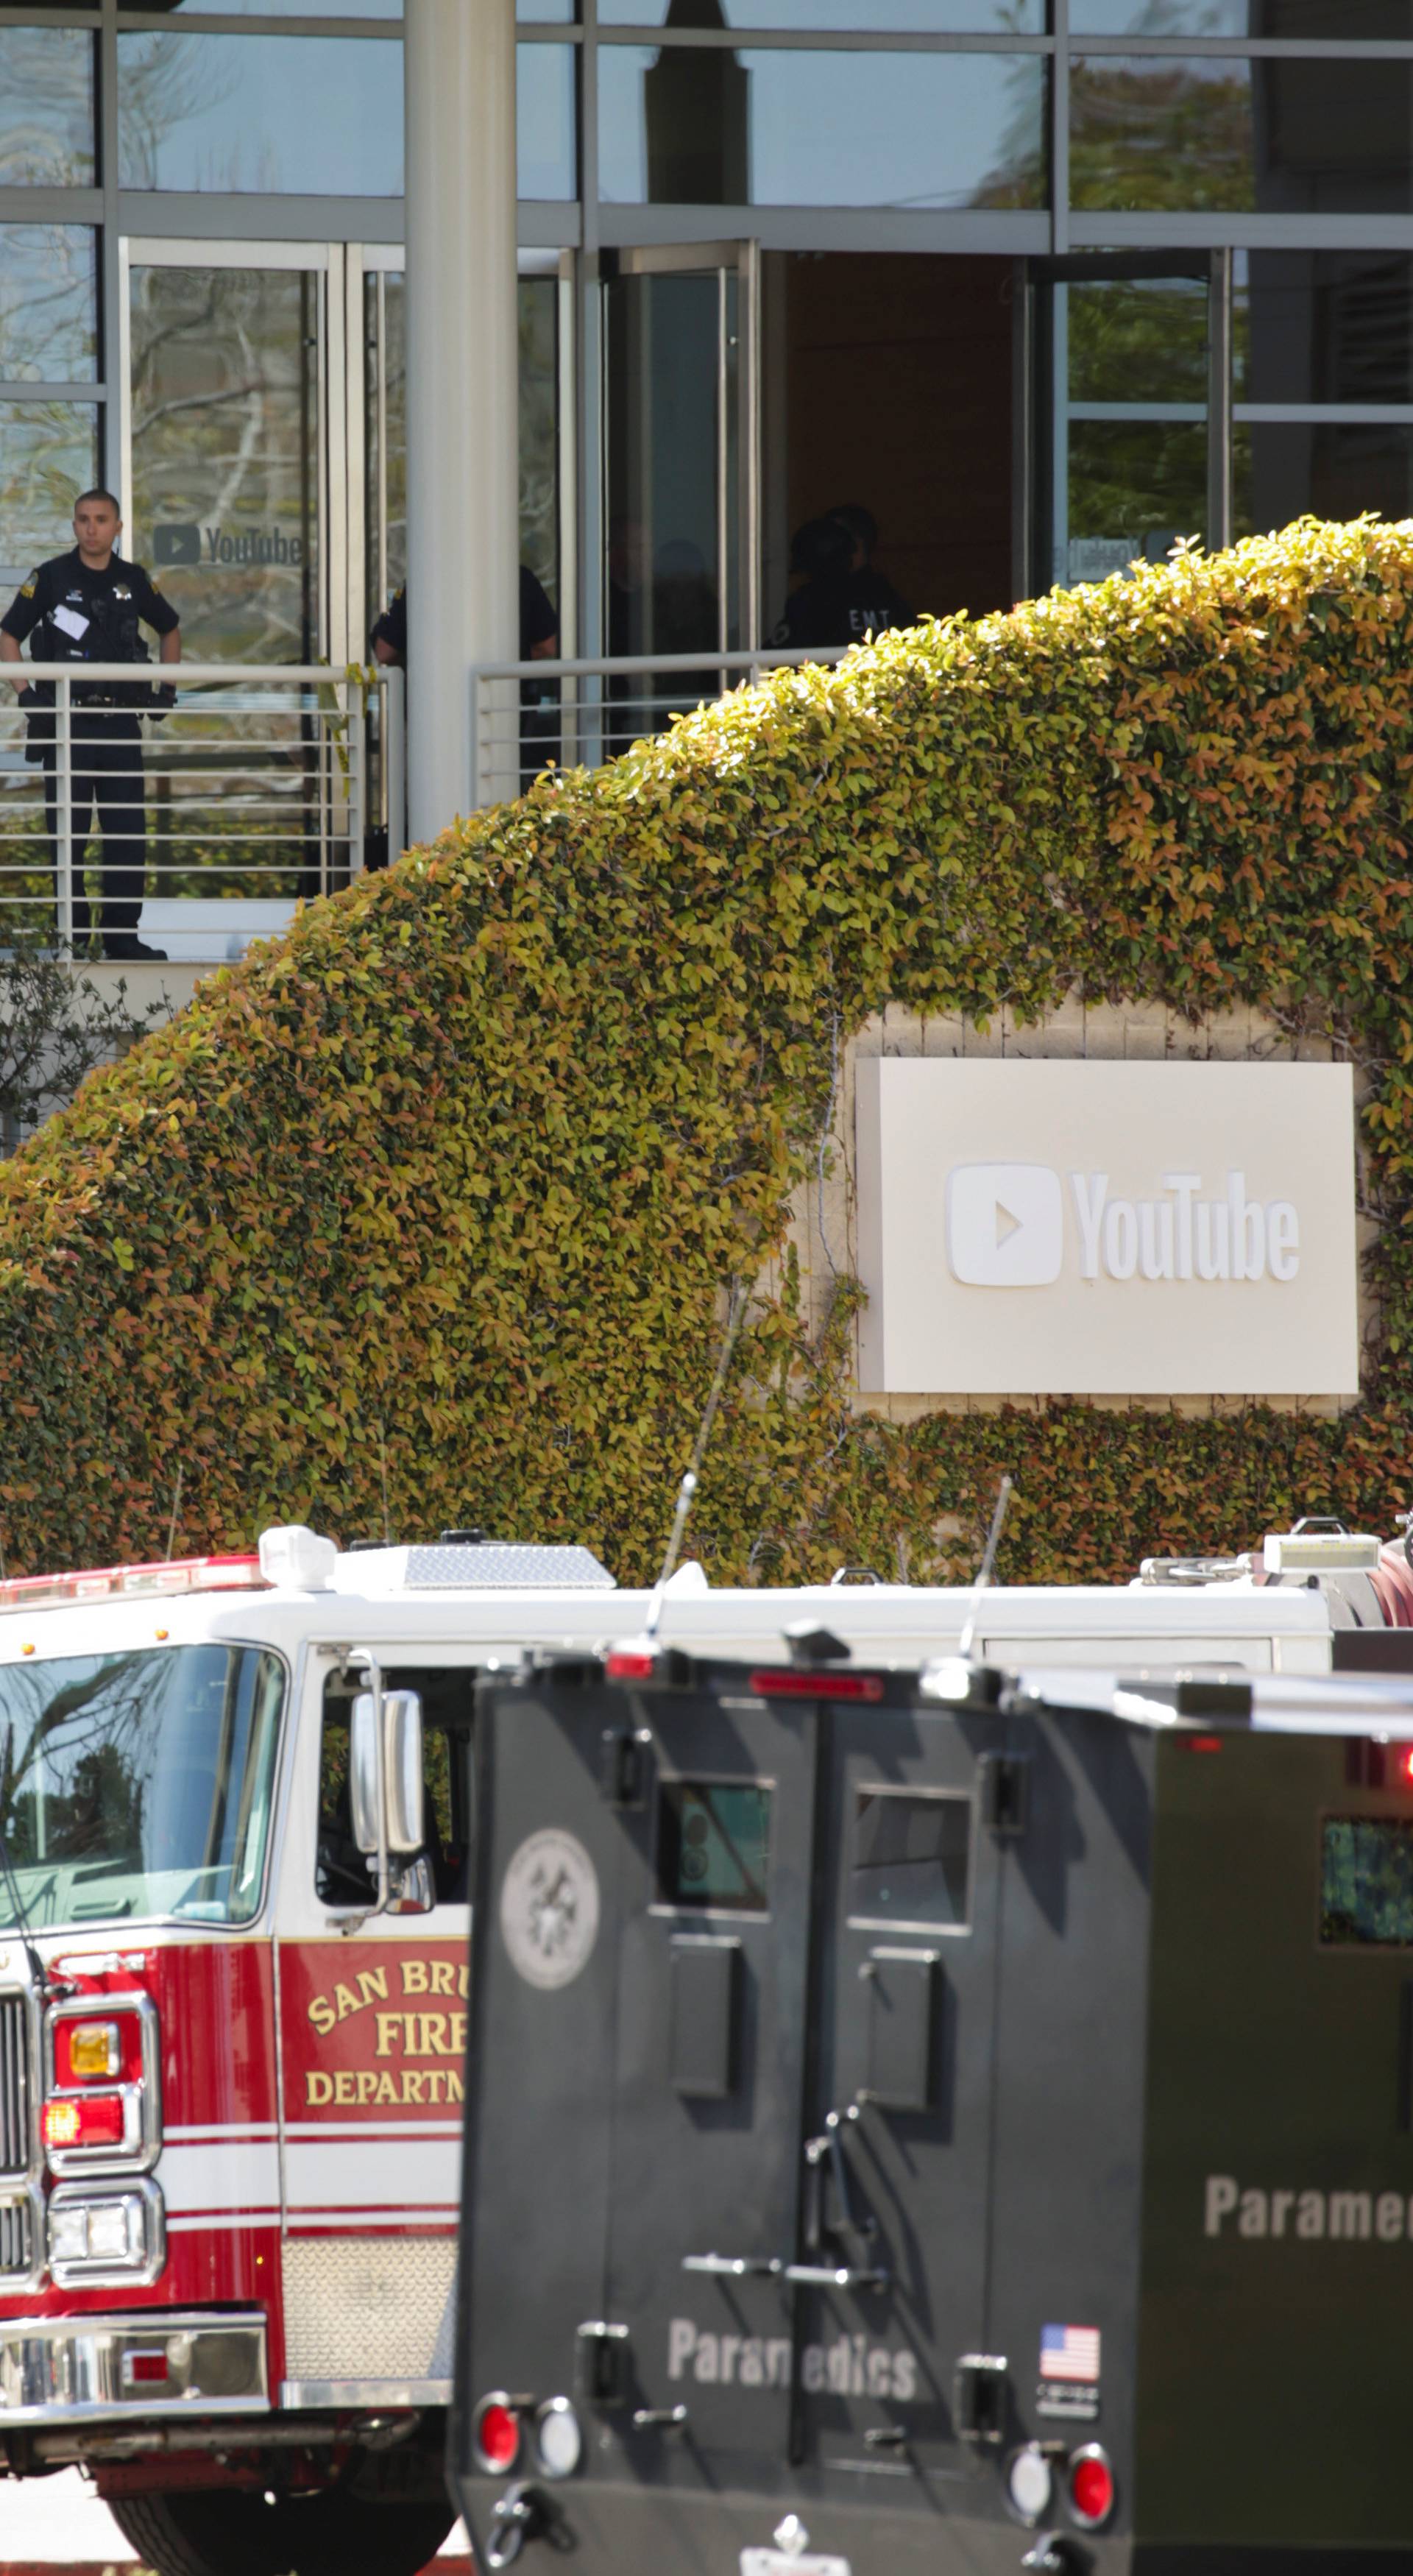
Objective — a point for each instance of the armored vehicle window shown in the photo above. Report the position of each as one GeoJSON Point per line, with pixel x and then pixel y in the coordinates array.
{"type": "Point", "coordinates": [1366, 1882]}
{"type": "Point", "coordinates": [341, 1872]}
{"type": "Point", "coordinates": [910, 1857]}
{"type": "Point", "coordinates": [713, 1844]}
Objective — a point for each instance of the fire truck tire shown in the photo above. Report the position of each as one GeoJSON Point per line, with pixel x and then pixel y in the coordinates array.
{"type": "Point", "coordinates": [226, 2534]}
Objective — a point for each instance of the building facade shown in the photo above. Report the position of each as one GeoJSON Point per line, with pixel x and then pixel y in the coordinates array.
{"type": "Point", "coordinates": [1041, 284]}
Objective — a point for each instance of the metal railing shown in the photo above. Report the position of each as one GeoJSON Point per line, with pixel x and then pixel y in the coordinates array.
{"type": "Point", "coordinates": [264, 785]}
{"type": "Point", "coordinates": [525, 714]}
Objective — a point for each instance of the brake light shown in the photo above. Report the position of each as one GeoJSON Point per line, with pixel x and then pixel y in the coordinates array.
{"type": "Point", "coordinates": [145, 2369]}
{"type": "Point", "coordinates": [84, 2120]}
{"type": "Point", "coordinates": [496, 2435]}
{"type": "Point", "coordinates": [1403, 1766]}
{"type": "Point", "coordinates": [793, 1681]}
{"type": "Point", "coordinates": [227, 1573]}
{"type": "Point", "coordinates": [1091, 2482]}
{"type": "Point", "coordinates": [630, 1664]}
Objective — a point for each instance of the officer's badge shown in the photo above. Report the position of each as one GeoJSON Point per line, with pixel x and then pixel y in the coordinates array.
{"type": "Point", "coordinates": [121, 590]}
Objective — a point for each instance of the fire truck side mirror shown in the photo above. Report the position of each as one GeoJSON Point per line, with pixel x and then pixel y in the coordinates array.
{"type": "Point", "coordinates": [401, 1772]}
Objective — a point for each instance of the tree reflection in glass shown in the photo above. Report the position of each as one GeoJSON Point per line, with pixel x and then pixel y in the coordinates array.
{"type": "Point", "coordinates": [139, 1785]}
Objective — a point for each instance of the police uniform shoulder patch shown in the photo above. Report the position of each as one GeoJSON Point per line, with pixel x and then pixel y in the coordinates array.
{"type": "Point", "coordinates": [28, 588]}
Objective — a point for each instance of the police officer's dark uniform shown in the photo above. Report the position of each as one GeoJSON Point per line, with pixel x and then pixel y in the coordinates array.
{"type": "Point", "coordinates": [72, 612]}
{"type": "Point", "coordinates": [538, 622]}
{"type": "Point", "coordinates": [539, 739]}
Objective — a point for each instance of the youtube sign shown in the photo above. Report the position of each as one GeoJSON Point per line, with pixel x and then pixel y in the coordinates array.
{"type": "Point", "coordinates": [1106, 1228]}
{"type": "Point", "coordinates": [1005, 1224]}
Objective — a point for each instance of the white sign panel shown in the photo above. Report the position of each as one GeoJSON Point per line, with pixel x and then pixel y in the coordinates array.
{"type": "Point", "coordinates": [1037, 1228]}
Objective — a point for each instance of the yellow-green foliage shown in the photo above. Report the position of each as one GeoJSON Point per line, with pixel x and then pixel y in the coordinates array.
{"type": "Point", "coordinates": [448, 1185]}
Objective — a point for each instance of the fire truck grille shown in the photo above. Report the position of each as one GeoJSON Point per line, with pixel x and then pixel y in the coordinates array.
{"type": "Point", "coordinates": [14, 2089]}
{"type": "Point", "coordinates": [16, 2237]}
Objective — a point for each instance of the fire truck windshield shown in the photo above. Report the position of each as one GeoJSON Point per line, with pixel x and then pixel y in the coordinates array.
{"type": "Point", "coordinates": [139, 1785]}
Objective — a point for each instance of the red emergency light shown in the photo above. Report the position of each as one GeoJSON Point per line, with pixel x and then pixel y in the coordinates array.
{"type": "Point", "coordinates": [797, 1681]}
{"type": "Point", "coordinates": [163, 1576]}
{"type": "Point", "coordinates": [84, 2120]}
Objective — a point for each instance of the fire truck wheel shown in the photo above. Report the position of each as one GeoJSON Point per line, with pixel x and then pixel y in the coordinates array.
{"type": "Point", "coordinates": [226, 2534]}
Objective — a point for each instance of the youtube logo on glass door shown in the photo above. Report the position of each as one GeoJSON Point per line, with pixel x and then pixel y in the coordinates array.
{"type": "Point", "coordinates": [1005, 1225]}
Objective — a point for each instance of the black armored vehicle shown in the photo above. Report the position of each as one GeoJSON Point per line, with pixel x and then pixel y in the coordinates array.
{"type": "Point", "coordinates": [929, 2124]}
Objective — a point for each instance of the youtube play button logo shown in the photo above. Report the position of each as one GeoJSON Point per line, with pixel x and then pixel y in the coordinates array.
{"type": "Point", "coordinates": [1005, 1225]}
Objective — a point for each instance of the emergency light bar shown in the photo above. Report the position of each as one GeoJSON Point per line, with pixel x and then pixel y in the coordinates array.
{"type": "Point", "coordinates": [164, 1576]}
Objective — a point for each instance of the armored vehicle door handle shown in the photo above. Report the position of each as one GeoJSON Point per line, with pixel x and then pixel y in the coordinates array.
{"type": "Point", "coordinates": [660, 2419]}
{"type": "Point", "coordinates": [735, 2266]}
{"type": "Point", "coordinates": [838, 2276]}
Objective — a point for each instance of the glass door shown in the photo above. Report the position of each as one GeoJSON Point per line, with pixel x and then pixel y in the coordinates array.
{"type": "Point", "coordinates": [544, 307]}
{"type": "Point", "coordinates": [1135, 445]}
{"type": "Point", "coordinates": [234, 414]}
{"type": "Point", "coordinates": [681, 544]}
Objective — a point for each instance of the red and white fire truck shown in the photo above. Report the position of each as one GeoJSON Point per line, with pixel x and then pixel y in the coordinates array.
{"type": "Point", "coordinates": [234, 1927]}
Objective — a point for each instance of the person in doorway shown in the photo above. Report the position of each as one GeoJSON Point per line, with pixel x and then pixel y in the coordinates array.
{"type": "Point", "coordinates": [539, 626]}
{"type": "Point", "coordinates": [90, 606]}
{"type": "Point", "coordinates": [539, 642]}
{"type": "Point", "coordinates": [842, 596]}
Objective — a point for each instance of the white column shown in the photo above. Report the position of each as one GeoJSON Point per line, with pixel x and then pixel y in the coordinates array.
{"type": "Point", "coordinates": [462, 438]}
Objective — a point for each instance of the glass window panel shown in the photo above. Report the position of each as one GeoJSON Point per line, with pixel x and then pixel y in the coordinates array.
{"type": "Point", "coordinates": [139, 1784]}
{"type": "Point", "coordinates": [1366, 1882]}
{"type": "Point", "coordinates": [538, 314]}
{"type": "Point", "coordinates": [1135, 487]}
{"type": "Point", "coordinates": [224, 414]}
{"type": "Point", "coordinates": [713, 1845]}
{"type": "Point", "coordinates": [1138, 340]}
{"type": "Point", "coordinates": [1318, 326]}
{"type": "Point", "coordinates": [891, 17]}
{"type": "Point", "coordinates": [48, 302]}
{"type": "Point", "coordinates": [1348, 20]}
{"type": "Point", "coordinates": [267, 8]}
{"type": "Point", "coordinates": [1286, 468]}
{"type": "Point", "coordinates": [297, 115]}
{"type": "Point", "coordinates": [679, 127]}
{"type": "Point", "coordinates": [48, 455]}
{"type": "Point", "coordinates": [46, 107]}
{"type": "Point", "coordinates": [1160, 132]}
{"type": "Point", "coordinates": [544, 120]}
{"type": "Point", "coordinates": [910, 1858]}
{"type": "Point", "coordinates": [545, 13]}
{"type": "Point", "coordinates": [1266, 137]}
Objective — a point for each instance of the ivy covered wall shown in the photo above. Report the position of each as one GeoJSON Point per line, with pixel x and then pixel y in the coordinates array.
{"type": "Point", "coordinates": [432, 1207]}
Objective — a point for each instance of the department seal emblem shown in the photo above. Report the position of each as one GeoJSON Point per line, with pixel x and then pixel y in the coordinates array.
{"type": "Point", "coordinates": [549, 1908]}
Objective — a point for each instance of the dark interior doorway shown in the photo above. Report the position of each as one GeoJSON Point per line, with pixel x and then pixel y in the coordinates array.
{"type": "Point", "coordinates": [894, 380]}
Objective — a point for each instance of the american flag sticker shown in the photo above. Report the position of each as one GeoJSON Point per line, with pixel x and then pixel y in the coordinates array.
{"type": "Point", "coordinates": [1070, 2352]}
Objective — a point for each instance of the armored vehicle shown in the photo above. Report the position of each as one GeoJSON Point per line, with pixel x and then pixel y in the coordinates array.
{"type": "Point", "coordinates": [932, 2123]}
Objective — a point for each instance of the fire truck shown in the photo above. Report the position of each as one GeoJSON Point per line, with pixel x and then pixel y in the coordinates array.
{"type": "Point", "coordinates": [938, 2123]}
{"type": "Point", "coordinates": [237, 1853]}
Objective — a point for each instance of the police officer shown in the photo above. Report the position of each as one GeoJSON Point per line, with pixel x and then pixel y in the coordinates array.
{"type": "Point", "coordinates": [88, 606]}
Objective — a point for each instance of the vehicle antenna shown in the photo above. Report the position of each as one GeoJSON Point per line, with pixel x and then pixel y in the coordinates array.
{"type": "Point", "coordinates": [988, 1562]}
{"type": "Point", "coordinates": [176, 1514]}
{"type": "Point", "coordinates": [735, 1316]}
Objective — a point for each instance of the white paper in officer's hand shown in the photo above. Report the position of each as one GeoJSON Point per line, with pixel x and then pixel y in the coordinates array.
{"type": "Point", "coordinates": [69, 622]}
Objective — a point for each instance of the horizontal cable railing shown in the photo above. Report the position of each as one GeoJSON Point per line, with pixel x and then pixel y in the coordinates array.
{"type": "Point", "coordinates": [527, 714]}
{"type": "Point", "coordinates": [263, 785]}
